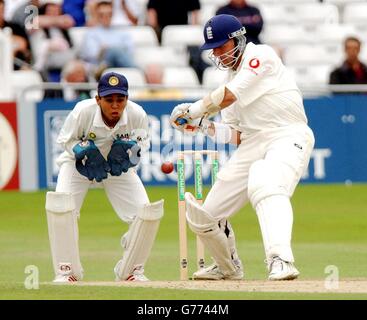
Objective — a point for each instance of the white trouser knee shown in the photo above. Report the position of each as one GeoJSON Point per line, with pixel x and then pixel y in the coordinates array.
{"type": "Point", "coordinates": [207, 229]}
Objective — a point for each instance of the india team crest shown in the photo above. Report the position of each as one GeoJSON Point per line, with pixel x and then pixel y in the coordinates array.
{"type": "Point", "coordinates": [113, 81]}
{"type": "Point", "coordinates": [92, 135]}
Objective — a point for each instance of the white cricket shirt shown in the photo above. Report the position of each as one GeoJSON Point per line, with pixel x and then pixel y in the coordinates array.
{"type": "Point", "coordinates": [267, 94]}
{"type": "Point", "coordinates": [85, 122]}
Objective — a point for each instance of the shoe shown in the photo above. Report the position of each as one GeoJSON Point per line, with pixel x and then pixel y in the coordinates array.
{"type": "Point", "coordinates": [282, 270]}
{"type": "Point", "coordinates": [214, 273]}
{"type": "Point", "coordinates": [65, 279]}
{"type": "Point", "coordinates": [65, 274]}
{"type": "Point", "coordinates": [137, 275]}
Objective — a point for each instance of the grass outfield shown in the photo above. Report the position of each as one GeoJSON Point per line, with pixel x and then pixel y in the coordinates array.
{"type": "Point", "coordinates": [330, 224]}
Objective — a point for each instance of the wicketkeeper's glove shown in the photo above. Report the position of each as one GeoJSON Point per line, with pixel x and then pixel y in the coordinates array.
{"type": "Point", "coordinates": [123, 155]}
{"type": "Point", "coordinates": [90, 162]}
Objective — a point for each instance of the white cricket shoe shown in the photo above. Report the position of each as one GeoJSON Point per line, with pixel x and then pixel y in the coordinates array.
{"type": "Point", "coordinates": [137, 275]}
{"type": "Point", "coordinates": [65, 273]}
{"type": "Point", "coordinates": [214, 273]}
{"type": "Point", "coordinates": [282, 270]}
{"type": "Point", "coordinates": [65, 279]}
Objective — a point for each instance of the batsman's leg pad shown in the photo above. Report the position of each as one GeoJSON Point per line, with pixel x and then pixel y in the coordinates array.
{"type": "Point", "coordinates": [139, 240]}
{"type": "Point", "coordinates": [207, 229]}
{"type": "Point", "coordinates": [63, 233]}
{"type": "Point", "coordinates": [227, 229]}
{"type": "Point", "coordinates": [265, 180]}
{"type": "Point", "coordinates": [275, 216]}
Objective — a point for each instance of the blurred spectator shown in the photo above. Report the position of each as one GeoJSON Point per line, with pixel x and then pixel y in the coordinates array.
{"type": "Point", "coordinates": [162, 13]}
{"type": "Point", "coordinates": [74, 71]}
{"type": "Point", "coordinates": [154, 76]}
{"type": "Point", "coordinates": [125, 12]}
{"type": "Point", "coordinates": [75, 8]}
{"type": "Point", "coordinates": [11, 6]}
{"type": "Point", "coordinates": [352, 71]}
{"type": "Point", "coordinates": [105, 46]}
{"type": "Point", "coordinates": [24, 11]}
{"type": "Point", "coordinates": [249, 16]}
{"type": "Point", "coordinates": [20, 41]}
{"type": "Point", "coordinates": [51, 42]}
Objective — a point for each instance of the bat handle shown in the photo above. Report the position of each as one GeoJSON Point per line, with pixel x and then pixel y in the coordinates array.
{"type": "Point", "coordinates": [181, 121]}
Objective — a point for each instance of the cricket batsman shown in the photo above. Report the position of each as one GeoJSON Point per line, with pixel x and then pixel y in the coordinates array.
{"type": "Point", "coordinates": [103, 139]}
{"type": "Point", "coordinates": [262, 111]}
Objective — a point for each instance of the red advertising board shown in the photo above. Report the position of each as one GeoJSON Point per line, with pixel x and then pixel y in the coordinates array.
{"type": "Point", "coordinates": [9, 155]}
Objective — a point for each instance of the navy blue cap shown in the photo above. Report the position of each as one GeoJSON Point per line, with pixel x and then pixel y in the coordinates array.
{"type": "Point", "coordinates": [219, 29]}
{"type": "Point", "coordinates": [111, 83]}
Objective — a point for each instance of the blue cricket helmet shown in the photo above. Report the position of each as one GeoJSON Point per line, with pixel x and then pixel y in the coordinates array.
{"type": "Point", "coordinates": [221, 28]}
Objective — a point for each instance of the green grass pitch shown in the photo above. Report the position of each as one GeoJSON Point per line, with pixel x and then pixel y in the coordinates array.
{"type": "Point", "coordinates": [330, 228]}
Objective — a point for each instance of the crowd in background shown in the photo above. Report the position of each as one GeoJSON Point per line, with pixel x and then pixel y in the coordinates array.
{"type": "Point", "coordinates": [42, 41]}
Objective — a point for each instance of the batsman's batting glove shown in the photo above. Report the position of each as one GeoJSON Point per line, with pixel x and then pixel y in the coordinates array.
{"type": "Point", "coordinates": [123, 155]}
{"type": "Point", "coordinates": [179, 119]}
{"type": "Point", "coordinates": [90, 162]}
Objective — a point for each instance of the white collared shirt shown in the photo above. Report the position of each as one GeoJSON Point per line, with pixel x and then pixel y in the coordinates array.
{"type": "Point", "coordinates": [85, 122]}
{"type": "Point", "coordinates": [267, 94]}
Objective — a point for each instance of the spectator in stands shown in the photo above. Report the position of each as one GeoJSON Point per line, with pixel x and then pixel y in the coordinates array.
{"type": "Point", "coordinates": [51, 42]}
{"type": "Point", "coordinates": [125, 12]}
{"type": "Point", "coordinates": [162, 13]}
{"type": "Point", "coordinates": [154, 73]}
{"type": "Point", "coordinates": [20, 41]}
{"type": "Point", "coordinates": [105, 46]}
{"type": "Point", "coordinates": [248, 15]}
{"type": "Point", "coordinates": [75, 71]}
{"type": "Point", "coordinates": [75, 8]}
{"type": "Point", "coordinates": [352, 71]}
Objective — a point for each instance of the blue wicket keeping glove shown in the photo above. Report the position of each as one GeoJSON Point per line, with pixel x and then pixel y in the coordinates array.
{"type": "Point", "coordinates": [94, 166]}
{"type": "Point", "coordinates": [123, 155]}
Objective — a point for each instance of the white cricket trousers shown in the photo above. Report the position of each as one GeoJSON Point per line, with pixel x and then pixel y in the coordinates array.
{"type": "Point", "coordinates": [280, 156]}
{"type": "Point", "coordinates": [126, 192]}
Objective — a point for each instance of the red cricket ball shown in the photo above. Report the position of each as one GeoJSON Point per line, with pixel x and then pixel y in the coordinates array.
{"type": "Point", "coordinates": [167, 167]}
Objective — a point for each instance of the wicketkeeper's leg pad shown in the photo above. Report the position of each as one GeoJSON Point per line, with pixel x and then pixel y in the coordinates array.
{"type": "Point", "coordinates": [63, 234]}
{"type": "Point", "coordinates": [139, 239]}
{"type": "Point", "coordinates": [207, 229]}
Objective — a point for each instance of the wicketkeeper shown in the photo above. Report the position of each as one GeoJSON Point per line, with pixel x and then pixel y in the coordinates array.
{"type": "Point", "coordinates": [262, 111]}
{"type": "Point", "coordinates": [103, 139]}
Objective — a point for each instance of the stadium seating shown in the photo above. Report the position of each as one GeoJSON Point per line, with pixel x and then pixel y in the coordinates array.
{"type": "Point", "coordinates": [22, 79]}
{"type": "Point", "coordinates": [142, 35]}
{"type": "Point", "coordinates": [182, 35]}
{"type": "Point", "coordinates": [76, 36]}
{"type": "Point", "coordinates": [311, 75]}
{"type": "Point", "coordinates": [355, 13]}
{"type": "Point", "coordinates": [317, 54]}
{"type": "Point", "coordinates": [206, 12]}
{"type": "Point", "coordinates": [181, 77]}
{"type": "Point", "coordinates": [296, 13]}
{"type": "Point", "coordinates": [283, 35]}
{"type": "Point", "coordinates": [334, 33]}
{"type": "Point", "coordinates": [165, 56]}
